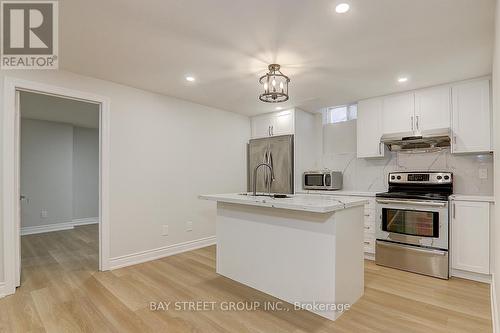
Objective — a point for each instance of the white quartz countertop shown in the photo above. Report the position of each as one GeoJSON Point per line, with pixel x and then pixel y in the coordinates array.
{"type": "Point", "coordinates": [341, 193]}
{"type": "Point", "coordinates": [302, 202]}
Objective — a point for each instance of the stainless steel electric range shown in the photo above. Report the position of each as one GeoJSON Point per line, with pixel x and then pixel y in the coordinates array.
{"type": "Point", "coordinates": [413, 223]}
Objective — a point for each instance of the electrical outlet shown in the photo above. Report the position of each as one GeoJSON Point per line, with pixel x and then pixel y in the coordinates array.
{"type": "Point", "coordinates": [189, 226]}
{"type": "Point", "coordinates": [164, 230]}
{"type": "Point", "coordinates": [483, 173]}
{"type": "Point", "coordinates": [44, 213]}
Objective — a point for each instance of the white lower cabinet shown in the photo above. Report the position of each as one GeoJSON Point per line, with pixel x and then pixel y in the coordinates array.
{"type": "Point", "coordinates": [369, 224]}
{"type": "Point", "coordinates": [470, 236]}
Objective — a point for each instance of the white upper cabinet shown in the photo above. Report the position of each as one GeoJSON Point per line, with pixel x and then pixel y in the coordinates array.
{"type": "Point", "coordinates": [261, 126]}
{"type": "Point", "coordinates": [432, 109]}
{"type": "Point", "coordinates": [369, 128]}
{"type": "Point", "coordinates": [470, 236]}
{"type": "Point", "coordinates": [272, 124]}
{"type": "Point", "coordinates": [398, 113]}
{"type": "Point", "coordinates": [283, 123]}
{"type": "Point", "coordinates": [471, 117]}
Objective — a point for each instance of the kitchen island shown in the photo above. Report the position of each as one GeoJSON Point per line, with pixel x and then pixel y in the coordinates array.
{"type": "Point", "coordinates": [306, 250]}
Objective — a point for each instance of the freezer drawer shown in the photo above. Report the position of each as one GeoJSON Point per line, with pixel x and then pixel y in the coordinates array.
{"type": "Point", "coordinates": [415, 259]}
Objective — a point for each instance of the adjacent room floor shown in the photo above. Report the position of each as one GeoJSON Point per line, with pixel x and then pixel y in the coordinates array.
{"type": "Point", "coordinates": [62, 292]}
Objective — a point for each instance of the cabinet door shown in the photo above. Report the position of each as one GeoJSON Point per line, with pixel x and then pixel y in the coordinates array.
{"type": "Point", "coordinates": [471, 117]}
{"type": "Point", "coordinates": [432, 108]}
{"type": "Point", "coordinates": [398, 113]}
{"type": "Point", "coordinates": [369, 128]}
{"type": "Point", "coordinates": [261, 126]}
{"type": "Point", "coordinates": [470, 236]}
{"type": "Point", "coordinates": [283, 123]}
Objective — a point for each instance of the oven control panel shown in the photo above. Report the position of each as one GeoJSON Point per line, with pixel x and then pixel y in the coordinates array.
{"type": "Point", "coordinates": [420, 178]}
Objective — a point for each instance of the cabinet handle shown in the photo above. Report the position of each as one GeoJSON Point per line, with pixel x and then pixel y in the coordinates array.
{"type": "Point", "coordinates": [272, 130]}
{"type": "Point", "coordinates": [380, 149]}
{"type": "Point", "coordinates": [455, 139]}
{"type": "Point", "coordinates": [411, 122]}
{"type": "Point", "coordinates": [367, 243]}
{"type": "Point", "coordinates": [454, 210]}
{"type": "Point", "coordinates": [269, 130]}
{"type": "Point", "coordinates": [418, 126]}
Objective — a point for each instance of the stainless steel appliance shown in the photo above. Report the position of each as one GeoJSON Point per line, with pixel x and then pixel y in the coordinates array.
{"type": "Point", "coordinates": [427, 141]}
{"type": "Point", "coordinates": [277, 152]}
{"type": "Point", "coordinates": [322, 180]}
{"type": "Point", "coordinates": [413, 223]}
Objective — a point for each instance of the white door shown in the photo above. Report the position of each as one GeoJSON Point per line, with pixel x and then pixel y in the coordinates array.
{"type": "Point", "coordinates": [283, 123]}
{"type": "Point", "coordinates": [470, 240]}
{"type": "Point", "coordinates": [369, 128]}
{"type": "Point", "coordinates": [261, 126]}
{"type": "Point", "coordinates": [432, 108]}
{"type": "Point", "coordinates": [398, 113]}
{"type": "Point", "coordinates": [471, 117]}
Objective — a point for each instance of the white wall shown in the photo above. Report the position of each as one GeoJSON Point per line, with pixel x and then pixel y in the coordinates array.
{"type": "Point", "coordinates": [164, 153]}
{"type": "Point", "coordinates": [85, 172]}
{"type": "Point", "coordinates": [46, 172]}
{"type": "Point", "coordinates": [59, 172]}
{"type": "Point", "coordinates": [496, 131]}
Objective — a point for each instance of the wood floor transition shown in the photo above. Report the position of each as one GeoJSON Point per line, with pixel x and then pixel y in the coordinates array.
{"type": "Point", "coordinates": [62, 292]}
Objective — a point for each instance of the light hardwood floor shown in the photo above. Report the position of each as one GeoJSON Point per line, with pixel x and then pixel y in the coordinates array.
{"type": "Point", "coordinates": [62, 292]}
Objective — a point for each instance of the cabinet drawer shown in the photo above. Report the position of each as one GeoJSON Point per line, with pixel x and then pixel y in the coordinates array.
{"type": "Point", "coordinates": [370, 204]}
{"type": "Point", "coordinates": [369, 244]}
{"type": "Point", "coordinates": [369, 228]}
{"type": "Point", "coordinates": [370, 214]}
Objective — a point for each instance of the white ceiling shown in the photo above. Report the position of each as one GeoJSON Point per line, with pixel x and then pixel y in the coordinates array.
{"type": "Point", "coordinates": [331, 59]}
{"type": "Point", "coordinates": [62, 110]}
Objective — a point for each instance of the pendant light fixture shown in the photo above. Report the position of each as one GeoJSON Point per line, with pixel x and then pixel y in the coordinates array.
{"type": "Point", "coordinates": [275, 85]}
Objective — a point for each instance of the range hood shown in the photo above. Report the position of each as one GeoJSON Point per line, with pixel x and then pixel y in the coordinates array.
{"type": "Point", "coordinates": [425, 141]}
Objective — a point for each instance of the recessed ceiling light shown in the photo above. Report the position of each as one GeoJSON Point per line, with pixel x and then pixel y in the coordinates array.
{"type": "Point", "coordinates": [402, 79]}
{"type": "Point", "coordinates": [190, 78]}
{"type": "Point", "coordinates": [342, 8]}
{"type": "Point", "coordinates": [278, 108]}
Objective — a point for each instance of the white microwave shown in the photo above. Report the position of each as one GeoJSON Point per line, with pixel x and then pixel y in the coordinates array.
{"type": "Point", "coordinates": [322, 180]}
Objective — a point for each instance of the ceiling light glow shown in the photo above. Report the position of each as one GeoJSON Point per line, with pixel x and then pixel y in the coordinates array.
{"type": "Point", "coordinates": [190, 78]}
{"type": "Point", "coordinates": [403, 79]}
{"type": "Point", "coordinates": [342, 8]}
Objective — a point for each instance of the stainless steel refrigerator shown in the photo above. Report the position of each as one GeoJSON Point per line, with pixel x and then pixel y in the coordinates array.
{"type": "Point", "coordinates": [278, 152]}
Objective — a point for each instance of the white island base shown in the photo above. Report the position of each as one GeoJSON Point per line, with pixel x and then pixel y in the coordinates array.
{"type": "Point", "coordinates": [310, 259]}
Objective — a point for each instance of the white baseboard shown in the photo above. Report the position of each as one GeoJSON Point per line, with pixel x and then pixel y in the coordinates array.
{"type": "Point", "coordinates": [58, 226]}
{"type": "Point", "coordinates": [2, 289]}
{"type": "Point", "coordinates": [494, 306]}
{"type": "Point", "coordinates": [144, 256]}
{"type": "Point", "coordinates": [85, 221]}
{"type": "Point", "coordinates": [485, 278]}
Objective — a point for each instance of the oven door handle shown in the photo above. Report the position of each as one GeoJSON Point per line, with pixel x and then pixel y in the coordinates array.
{"type": "Point", "coordinates": [410, 202]}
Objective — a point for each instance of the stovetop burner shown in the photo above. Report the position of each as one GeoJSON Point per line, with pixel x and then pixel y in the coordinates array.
{"type": "Point", "coordinates": [426, 185]}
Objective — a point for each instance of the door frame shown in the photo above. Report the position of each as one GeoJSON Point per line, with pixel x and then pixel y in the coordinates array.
{"type": "Point", "coordinates": [11, 176]}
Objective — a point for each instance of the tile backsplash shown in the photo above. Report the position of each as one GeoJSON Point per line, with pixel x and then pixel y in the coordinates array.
{"type": "Point", "coordinates": [371, 174]}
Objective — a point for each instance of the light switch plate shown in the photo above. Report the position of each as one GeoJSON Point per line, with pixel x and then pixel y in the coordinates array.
{"type": "Point", "coordinates": [44, 213]}
{"type": "Point", "coordinates": [483, 173]}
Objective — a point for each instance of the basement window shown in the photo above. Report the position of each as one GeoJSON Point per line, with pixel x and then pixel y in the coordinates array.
{"type": "Point", "coordinates": [338, 114]}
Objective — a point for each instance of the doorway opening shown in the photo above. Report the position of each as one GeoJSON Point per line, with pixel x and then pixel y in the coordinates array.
{"type": "Point", "coordinates": [59, 185]}
{"type": "Point", "coordinates": [55, 181]}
